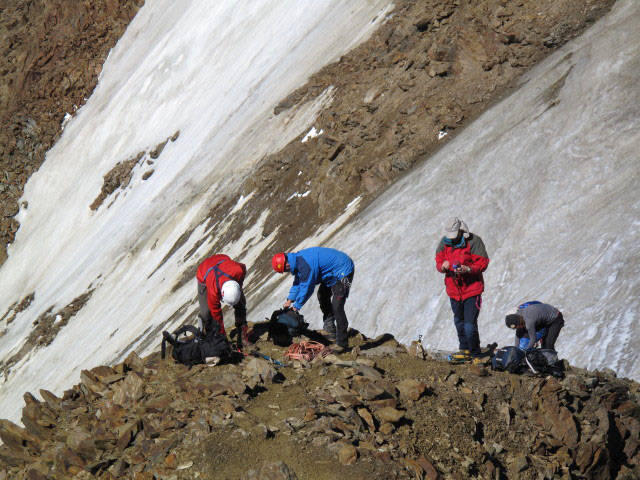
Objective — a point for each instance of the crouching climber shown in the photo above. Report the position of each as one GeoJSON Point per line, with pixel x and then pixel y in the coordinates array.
{"type": "Point", "coordinates": [532, 318]}
{"type": "Point", "coordinates": [220, 280]}
{"type": "Point", "coordinates": [333, 270]}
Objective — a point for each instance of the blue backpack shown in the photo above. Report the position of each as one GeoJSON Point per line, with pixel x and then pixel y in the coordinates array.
{"type": "Point", "coordinates": [509, 359]}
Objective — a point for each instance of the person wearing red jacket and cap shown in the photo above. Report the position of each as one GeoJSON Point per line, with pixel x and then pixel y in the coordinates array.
{"type": "Point", "coordinates": [220, 280]}
{"type": "Point", "coordinates": [462, 257]}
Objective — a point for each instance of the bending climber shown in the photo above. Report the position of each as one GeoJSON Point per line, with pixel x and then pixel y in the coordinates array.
{"type": "Point", "coordinates": [532, 318]}
{"type": "Point", "coordinates": [220, 279]}
{"type": "Point", "coordinates": [462, 257]}
{"type": "Point", "coordinates": [333, 270]}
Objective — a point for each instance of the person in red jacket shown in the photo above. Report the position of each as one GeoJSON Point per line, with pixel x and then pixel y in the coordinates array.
{"type": "Point", "coordinates": [220, 280]}
{"type": "Point", "coordinates": [462, 257]}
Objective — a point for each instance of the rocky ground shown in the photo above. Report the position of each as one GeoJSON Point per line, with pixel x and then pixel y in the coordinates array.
{"type": "Point", "coordinates": [376, 412]}
{"type": "Point", "coordinates": [52, 52]}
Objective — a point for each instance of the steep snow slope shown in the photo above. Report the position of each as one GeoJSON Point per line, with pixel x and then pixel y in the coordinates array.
{"type": "Point", "coordinates": [212, 71]}
{"type": "Point", "coordinates": [550, 179]}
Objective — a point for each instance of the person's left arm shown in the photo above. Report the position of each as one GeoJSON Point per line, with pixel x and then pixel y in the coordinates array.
{"type": "Point", "coordinates": [479, 257]}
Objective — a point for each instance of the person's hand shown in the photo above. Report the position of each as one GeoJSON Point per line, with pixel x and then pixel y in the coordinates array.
{"type": "Point", "coordinates": [445, 266]}
{"type": "Point", "coordinates": [287, 304]}
{"type": "Point", "coordinates": [295, 309]}
{"type": "Point", "coordinates": [464, 269]}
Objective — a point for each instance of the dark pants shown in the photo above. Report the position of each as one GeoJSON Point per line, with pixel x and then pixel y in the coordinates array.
{"type": "Point", "coordinates": [553, 330]}
{"type": "Point", "coordinates": [332, 300]}
{"type": "Point", "coordinates": [204, 314]}
{"type": "Point", "coordinates": [465, 318]}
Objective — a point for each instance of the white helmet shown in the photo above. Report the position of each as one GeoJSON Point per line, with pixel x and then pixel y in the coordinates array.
{"type": "Point", "coordinates": [231, 292]}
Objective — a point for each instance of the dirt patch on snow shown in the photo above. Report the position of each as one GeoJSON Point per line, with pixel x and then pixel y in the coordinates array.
{"type": "Point", "coordinates": [45, 329]}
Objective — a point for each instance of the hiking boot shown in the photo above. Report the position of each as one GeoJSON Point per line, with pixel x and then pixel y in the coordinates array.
{"type": "Point", "coordinates": [462, 356]}
{"type": "Point", "coordinates": [338, 349]}
{"type": "Point", "coordinates": [329, 335]}
{"type": "Point", "coordinates": [329, 328]}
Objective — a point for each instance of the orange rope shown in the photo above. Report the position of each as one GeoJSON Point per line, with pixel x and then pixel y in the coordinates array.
{"type": "Point", "coordinates": [307, 351]}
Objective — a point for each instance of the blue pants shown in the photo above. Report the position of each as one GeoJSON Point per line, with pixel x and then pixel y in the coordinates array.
{"type": "Point", "coordinates": [465, 318]}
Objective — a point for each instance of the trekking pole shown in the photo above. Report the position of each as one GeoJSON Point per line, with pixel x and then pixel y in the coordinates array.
{"type": "Point", "coordinates": [268, 358]}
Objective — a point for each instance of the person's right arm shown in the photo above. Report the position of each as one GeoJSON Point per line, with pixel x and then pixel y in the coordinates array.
{"type": "Point", "coordinates": [442, 264]}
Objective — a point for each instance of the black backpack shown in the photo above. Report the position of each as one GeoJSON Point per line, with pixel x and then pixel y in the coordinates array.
{"type": "Point", "coordinates": [289, 319]}
{"type": "Point", "coordinates": [510, 359]}
{"type": "Point", "coordinates": [198, 348]}
{"type": "Point", "coordinates": [544, 361]}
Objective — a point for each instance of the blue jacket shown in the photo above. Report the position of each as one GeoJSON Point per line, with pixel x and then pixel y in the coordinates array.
{"type": "Point", "coordinates": [315, 265]}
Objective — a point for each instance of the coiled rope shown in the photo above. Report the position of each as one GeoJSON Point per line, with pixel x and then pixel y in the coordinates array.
{"type": "Point", "coordinates": [307, 351]}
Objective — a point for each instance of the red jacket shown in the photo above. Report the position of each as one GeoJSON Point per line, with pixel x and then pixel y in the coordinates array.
{"type": "Point", "coordinates": [235, 270]}
{"type": "Point", "coordinates": [473, 254]}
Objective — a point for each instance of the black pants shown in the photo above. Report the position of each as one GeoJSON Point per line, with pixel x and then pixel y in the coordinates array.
{"type": "Point", "coordinates": [332, 300]}
{"type": "Point", "coordinates": [553, 330]}
{"type": "Point", "coordinates": [204, 314]}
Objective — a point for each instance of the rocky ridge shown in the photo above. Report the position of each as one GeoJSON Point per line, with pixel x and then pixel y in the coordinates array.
{"type": "Point", "coordinates": [377, 412]}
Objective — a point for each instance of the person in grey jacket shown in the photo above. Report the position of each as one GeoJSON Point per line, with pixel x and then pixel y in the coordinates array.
{"type": "Point", "coordinates": [531, 317]}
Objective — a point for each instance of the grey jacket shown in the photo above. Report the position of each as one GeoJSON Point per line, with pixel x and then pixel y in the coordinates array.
{"type": "Point", "coordinates": [536, 317]}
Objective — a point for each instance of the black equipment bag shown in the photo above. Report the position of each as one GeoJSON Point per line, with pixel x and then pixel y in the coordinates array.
{"type": "Point", "coordinates": [198, 348]}
{"type": "Point", "coordinates": [544, 361]}
{"type": "Point", "coordinates": [289, 319]}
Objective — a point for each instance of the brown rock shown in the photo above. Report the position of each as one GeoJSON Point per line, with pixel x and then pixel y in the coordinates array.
{"type": "Point", "coordinates": [260, 367]}
{"type": "Point", "coordinates": [412, 389]}
{"type": "Point", "coordinates": [128, 391]}
{"type": "Point", "coordinates": [384, 403]}
{"type": "Point", "coordinates": [17, 438]}
{"type": "Point", "coordinates": [388, 414]}
{"type": "Point", "coordinates": [171, 461]}
{"type": "Point", "coordinates": [414, 467]}
{"type": "Point", "coordinates": [82, 442]}
{"type": "Point", "coordinates": [347, 455]}
{"type": "Point", "coordinates": [384, 456]}
{"type": "Point", "coordinates": [430, 472]}
{"type": "Point", "coordinates": [134, 362]}
{"type": "Point", "coordinates": [371, 391]}
{"type": "Point", "coordinates": [387, 428]}
{"type": "Point", "coordinates": [34, 475]}
{"type": "Point", "coordinates": [368, 418]}
{"type": "Point", "coordinates": [13, 458]}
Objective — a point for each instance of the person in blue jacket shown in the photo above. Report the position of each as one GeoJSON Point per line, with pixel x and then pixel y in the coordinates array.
{"type": "Point", "coordinates": [331, 269]}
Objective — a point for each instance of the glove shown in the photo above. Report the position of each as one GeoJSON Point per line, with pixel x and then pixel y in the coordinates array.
{"type": "Point", "coordinates": [243, 337]}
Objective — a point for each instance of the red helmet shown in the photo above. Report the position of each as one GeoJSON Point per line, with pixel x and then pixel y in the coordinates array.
{"type": "Point", "coordinates": [278, 261]}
